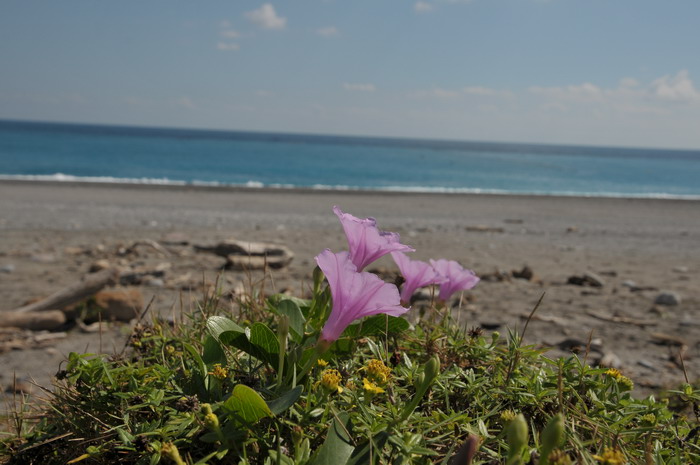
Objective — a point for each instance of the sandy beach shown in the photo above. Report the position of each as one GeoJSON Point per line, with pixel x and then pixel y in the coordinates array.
{"type": "Point", "coordinates": [51, 234]}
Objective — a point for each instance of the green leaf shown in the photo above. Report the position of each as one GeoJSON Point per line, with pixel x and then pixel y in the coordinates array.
{"type": "Point", "coordinates": [338, 447]}
{"type": "Point", "coordinates": [378, 325]}
{"type": "Point", "coordinates": [212, 352]}
{"type": "Point", "coordinates": [247, 404]}
{"type": "Point", "coordinates": [362, 454]}
{"type": "Point", "coordinates": [296, 319]}
{"type": "Point", "coordinates": [264, 339]}
{"type": "Point", "coordinates": [285, 401]}
{"type": "Point", "coordinates": [217, 325]}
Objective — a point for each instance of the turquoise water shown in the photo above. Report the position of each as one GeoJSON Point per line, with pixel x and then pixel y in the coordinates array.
{"type": "Point", "coordinates": [47, 151]}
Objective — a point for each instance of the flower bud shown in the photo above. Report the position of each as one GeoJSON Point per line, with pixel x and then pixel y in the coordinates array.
{"type": "Point", "coordinates": [552, 437]}
{"type": "Point", "coordinates": [517, 433]}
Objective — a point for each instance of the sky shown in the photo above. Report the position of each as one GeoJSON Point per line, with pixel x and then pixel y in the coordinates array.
{"type": "Point", "coordinates": [593, 72]}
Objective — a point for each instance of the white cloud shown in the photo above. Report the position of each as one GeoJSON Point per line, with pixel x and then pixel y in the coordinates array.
{"type": "Point", "coordinates": [230, 34]}
{"type": "Point", "coordinates": [585, 92]}
{"type": "Point", "coordinates": [479, 91]}
{"type": "Point", "coordinates": [422, 7]}
{"type": "Point", "coordinates": [359, 87]}
{"type": "Point", "coordinates": [228, 46]}
{"type": "Point", "coordinates": [677, 88]}
{"type": "Point", "coordinates": [329, 31]}
{"type": "Point", "coordinates": [266, 17]}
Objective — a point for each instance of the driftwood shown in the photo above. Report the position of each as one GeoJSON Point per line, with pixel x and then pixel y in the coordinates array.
{"type": "Point", "coordinates": [243, 255]}
{"type": "Point", "coordinates": [86, 287]}
{"type": "Point", "coordinates": [36, 321]}
{"type": "Point", "coordinates": [622, 319]}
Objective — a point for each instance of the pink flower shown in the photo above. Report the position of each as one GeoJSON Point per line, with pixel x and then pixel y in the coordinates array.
{"type": "Point", "coordinates": [455, 278]}
{"type": "Point", "coordinates": [355, 294]}
{"type": "Point", "coordinates": [366, 242]}
{"type": "Point", "coordinates": [416, 274]}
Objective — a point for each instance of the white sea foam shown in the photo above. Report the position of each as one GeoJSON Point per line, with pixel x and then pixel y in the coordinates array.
{"type": "Point", "coordinates": [61, 177]}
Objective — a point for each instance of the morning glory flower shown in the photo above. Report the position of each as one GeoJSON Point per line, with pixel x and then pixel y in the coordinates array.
{"type": "Point", "coordinates": [455, 278]}
{"type": "Point", "coordinates": [366, 242]}
{"type": "Point", "coordinates": [416, 274]}
{"type": "Point", "coordinates": [355, 294]}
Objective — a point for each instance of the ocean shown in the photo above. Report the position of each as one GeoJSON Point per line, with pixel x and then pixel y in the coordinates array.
{"type": "Point", "coordinates": [91, 153]}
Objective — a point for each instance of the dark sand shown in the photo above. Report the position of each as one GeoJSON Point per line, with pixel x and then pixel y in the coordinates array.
{"type": "Point", "coordinates": [652, 243]}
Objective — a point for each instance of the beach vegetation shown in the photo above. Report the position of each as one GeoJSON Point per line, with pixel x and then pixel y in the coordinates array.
{"type": "Point", "coordinates": [344, 378]}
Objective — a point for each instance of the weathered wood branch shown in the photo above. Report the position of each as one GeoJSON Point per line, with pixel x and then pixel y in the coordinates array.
{"type": "Point", "coordinates": [74, 293]}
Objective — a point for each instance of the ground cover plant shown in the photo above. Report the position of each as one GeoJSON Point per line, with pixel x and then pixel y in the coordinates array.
{"type": "Point", "coordinates": [345, 378]}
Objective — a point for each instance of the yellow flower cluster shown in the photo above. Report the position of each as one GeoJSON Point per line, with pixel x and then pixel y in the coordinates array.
{"type": "Point", "coordinates": [621, 379]}
{"type": "Point", "coordinates": [330, 380]}
{"type": "Point", "coordinates": [219, 372]}
{"type": "Point", "coordinates": [370, 387]}
{"type": "Point", "coordinates": [611, 457]}
{"type": "Point", "coordinates": [377, 371]}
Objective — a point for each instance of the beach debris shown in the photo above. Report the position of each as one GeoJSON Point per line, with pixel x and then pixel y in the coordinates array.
{"type": "Point", "coordinates": [681, 269]}
{"type": "Point", "coordinates": [119, 304]}
{"type": "Point", "coordinates": [77, 292]}
{"type": "Point", "coordinates": [572, 229]}
{"type": "Point", "coordinates": [44, 320]}
{"type": "Point", "coordinates": [20, 339]}
{"type": "Point", "coordinates": [664, 339]}
{"type": "Point", "coordinates": [132, 249]}
{"type": "Point", "coordinates": [610, 360]}
{"type": "Point", "coordinates": [513, 221]}
{"type": "Point", "coordinates": [244, 255]}
{"type": "Point", "coordinates": [668, 298]}
{"type": "Point", "coordinates": [9, 268]}
{"type": "Point", "coordinates": [646, 364]}
{"type": "Point", "coordinates": [99, 265]}
{"type": "Point", "coordinates": [622, 319]}
{"type": "Point", "coordinates": [43, 258]}
{"type": "Point", "coordinates": [143, 275]}
{"type": "Point", "coordinates": [495, 276]}
{"type": "Point", "coordinates": [525, 273]}
{"type": "Point", "coordinates": [587, 279]}
{"type": "Point", "coordinates": [20, 386]}
{"type": "Point", "coordinates": [484, 228]}
{"type": "Point", "coordinates": [578, 345]}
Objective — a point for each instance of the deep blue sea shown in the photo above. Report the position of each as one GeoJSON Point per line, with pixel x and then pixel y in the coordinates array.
{"type": "Point", "coordinates": [71, 152]}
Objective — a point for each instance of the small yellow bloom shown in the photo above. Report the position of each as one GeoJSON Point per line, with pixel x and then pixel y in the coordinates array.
{"type": "Point", "coordinates": [219, 372]}
{"type": "Point", "coordinates": [621, 379]}
{"type": "Point", "coordinates": [370, 387]}
{"type": "Point", "coordinates": [377, 371]}
{"type": "Point", "coordinates": [611, 457]}
{"type": "Point", "coordinates": [322, 363]}
{"type": "Point", "coordinates": [330, 380]}
{"type": "Point", "coordinates": [507, 416]}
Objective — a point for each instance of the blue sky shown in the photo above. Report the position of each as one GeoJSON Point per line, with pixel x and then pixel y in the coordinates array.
{"type": "Point", "coordinates": [601, 72]}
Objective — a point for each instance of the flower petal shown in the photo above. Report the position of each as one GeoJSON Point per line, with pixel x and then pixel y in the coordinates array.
{"type": "Point", "coordinates": [455, 277]}
{"type": "Point", "coordinates": [366, 242]}
{"type": "Point", "coordinates": [355, 294]}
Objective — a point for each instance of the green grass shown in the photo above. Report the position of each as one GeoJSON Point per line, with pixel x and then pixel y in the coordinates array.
{"type": "Point", "coordinates": [249, 390]}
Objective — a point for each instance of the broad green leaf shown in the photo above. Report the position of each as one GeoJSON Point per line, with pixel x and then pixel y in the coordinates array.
{"type": "Point", "coordinates": [378, 325]}
{"type": "Point", "coordinates": [338, 447]}
{"type": "Point", "coordinates": [217, 325]}
{"type": "Point", "coordinates": [296, 318]}
{"type": "Point", "coordinates": [212, 352]}
{"type": "Point", "coordinates": [284, 401]}
{"type": "Point", "coordinates": [247, 404]}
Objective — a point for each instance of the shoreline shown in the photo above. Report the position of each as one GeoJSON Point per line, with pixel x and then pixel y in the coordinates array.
{"type": "Point", "coordinates": [136, 183]}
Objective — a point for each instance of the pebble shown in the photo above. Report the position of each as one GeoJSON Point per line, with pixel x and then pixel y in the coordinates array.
{"type": "Point", "coordinates": [647, 364]}
{"type": "Point", "coordinates": [153, 282]}
{"type": "Point", "coordinates": [9, 268]}
{"type": "Point", "coordinates": [610, 360]}
{"type": "Point", "coordinates": [668, 298]}
{"type": "Point", "coordinates": [681, 269]}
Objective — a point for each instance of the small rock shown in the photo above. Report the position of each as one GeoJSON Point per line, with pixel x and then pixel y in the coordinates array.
{"type": "Point", "coordinates": [153, 282]}
{"type": "Point", "coordinates": [628, 283]}
{"type": "Point", "coordinates": [20, 386]}
{"type": "Point", "coordinates": [668, 298]}
{"type": "Point", "coordinates": [610, 360]}
{"type": "Point", "coordinates": [571, 229]}
{"type": "Point", "coordinates": [587, 279]}
{"type": "Point", "coordinates": [647, 364]}
{"type": "Point", "coordinates": [525, 273]}
{"type": "Point", "coordinates": [43, 258]}
{"type": "Point", "coordinates": [681, 269]}
{"type": "Point", "coordinates": [484, 228]}
{"type": "Point", "coordinates": [491, 325]}
{"type": "Point", "coordinates": [9, 268]}
{"type": "Point", "coordinates": [120, 304]}
{"type": "Point", "coordinates": [99, 265]}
